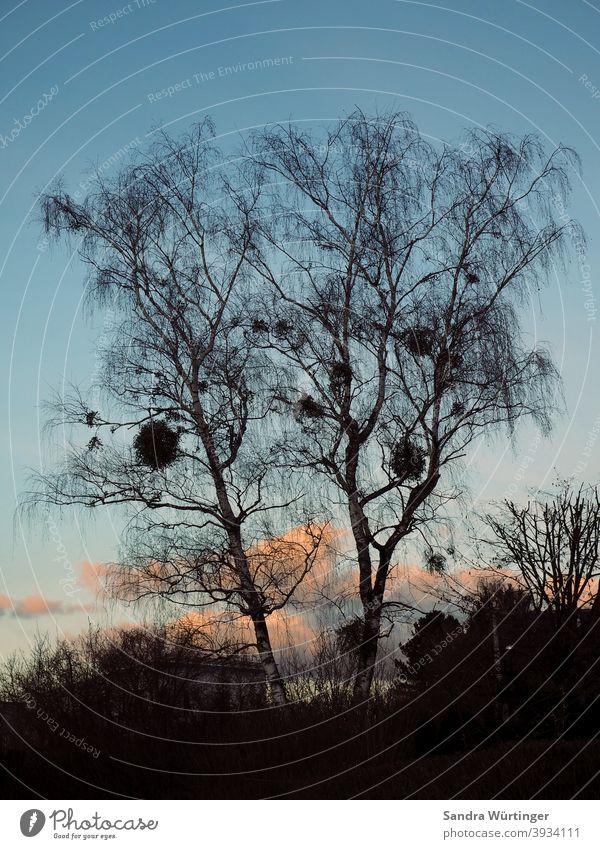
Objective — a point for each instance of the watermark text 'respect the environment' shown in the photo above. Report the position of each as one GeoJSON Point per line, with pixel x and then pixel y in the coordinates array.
{"type": "Point", "coordinates": [222, 71]}
{"type": "Point", "coordinates": [120, 13]}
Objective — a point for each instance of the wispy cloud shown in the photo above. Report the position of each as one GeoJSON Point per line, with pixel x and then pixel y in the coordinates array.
{"type": "Point", "coordinates": [36, 605]}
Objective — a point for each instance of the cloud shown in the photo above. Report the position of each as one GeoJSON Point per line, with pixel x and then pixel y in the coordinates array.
{"type": "Point", "coordinates": [331, 586]}
{"type": "Point", "coordinates": [93, 577]}
{"type": "Point", "coordinates": [35, 605]}
{"type": "Point", "coordinates": [215, 628]}
{"type": "Point", "coordinates": [416, 586]}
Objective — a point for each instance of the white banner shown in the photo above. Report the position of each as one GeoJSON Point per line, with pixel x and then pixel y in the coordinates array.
{"type": "Point", "coordinates": [296, 824]}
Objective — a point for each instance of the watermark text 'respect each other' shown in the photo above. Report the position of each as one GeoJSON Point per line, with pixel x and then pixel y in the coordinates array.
{"type": "Point", "coordinates": [55, 726]}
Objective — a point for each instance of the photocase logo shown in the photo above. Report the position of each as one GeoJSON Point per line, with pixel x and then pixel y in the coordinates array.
{"type": "Point", "coordinates": [32, 822]}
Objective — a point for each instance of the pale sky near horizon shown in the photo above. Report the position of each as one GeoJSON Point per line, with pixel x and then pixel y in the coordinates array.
{"type": "Point", "coordinates": [81, 83]}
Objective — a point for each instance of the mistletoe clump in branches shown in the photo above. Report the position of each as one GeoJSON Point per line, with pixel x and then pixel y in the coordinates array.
{"type": "Point", "coordinates": [156, 444]}
{"type": "Point", "coordinates": [408, 460]}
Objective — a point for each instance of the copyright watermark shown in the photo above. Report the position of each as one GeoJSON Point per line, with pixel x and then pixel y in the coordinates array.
{"type": "Point", "coordinates": [120, 13]}
{"type": "Point", "coordinates": [23, 122]}
{"type": "Point", "coordinates": [218, 73]}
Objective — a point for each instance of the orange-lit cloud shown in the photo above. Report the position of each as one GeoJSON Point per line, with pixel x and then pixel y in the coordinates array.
{"type": "Point", "coordinates": [422, 589]}
{"type": "Point", "coordinates": [36, 605]}
{"type": "Point", "coordinates": [328, 591]}
{"type": "Point", "coordinates": [93, 577]}
{"type": "Point", "coordinates": [214, 628]}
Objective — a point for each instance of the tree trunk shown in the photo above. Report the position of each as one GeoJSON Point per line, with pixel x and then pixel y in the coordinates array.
{"type": "Point", "coordinates": [372, 593]}
{"type": "Point", "coordinates": [501, 706]}
{"type": "Point", "coordinates": [367, 654]}
{"type": "Point", "coordinates": [267, 658]}
{"type": "Point", "coordinates": [232, 524]}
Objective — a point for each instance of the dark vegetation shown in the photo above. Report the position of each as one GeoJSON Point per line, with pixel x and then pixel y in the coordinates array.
{"type": "Point", "coordinates": [492, 700]}
{"type": "Point", "coordinates": [455, 729]}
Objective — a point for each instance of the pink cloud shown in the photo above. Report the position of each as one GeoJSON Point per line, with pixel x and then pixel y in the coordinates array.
{"type": "Point", "coordinates": [36, 605]}
{"type": "Point", "coordinates": [93, 576]}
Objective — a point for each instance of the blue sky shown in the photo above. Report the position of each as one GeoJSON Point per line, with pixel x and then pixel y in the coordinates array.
{"type": "Point", "coordinates": [81, 82]}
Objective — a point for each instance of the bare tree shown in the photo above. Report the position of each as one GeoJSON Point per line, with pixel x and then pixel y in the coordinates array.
{"type": "Point", "coordinates": [555, 547]}
{"type": "Point", "coordinates": [392, 273]}
{"type": "Point", "coordinates": [179, 422]}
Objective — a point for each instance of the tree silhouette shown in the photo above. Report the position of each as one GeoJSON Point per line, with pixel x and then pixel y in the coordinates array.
{"type": "Point", "coordinates": [185, 395]}
{"type": "Point", "coordinates": [392, 273]}
{"type": "Point", "coordinates": [555, 547]}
